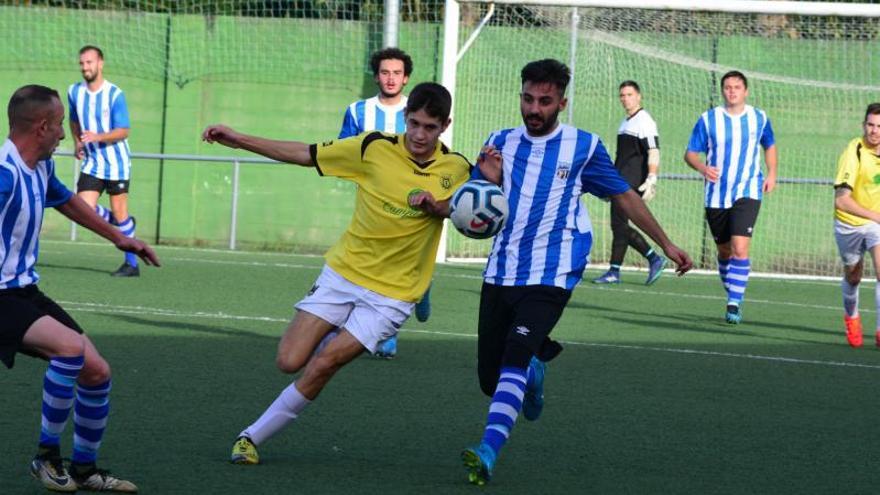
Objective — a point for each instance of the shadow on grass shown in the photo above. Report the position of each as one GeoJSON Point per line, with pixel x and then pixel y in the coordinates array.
{"type": "Point", "coordinates": [225, 331]}
{"type": "Point", "coordinates": [76, 268]}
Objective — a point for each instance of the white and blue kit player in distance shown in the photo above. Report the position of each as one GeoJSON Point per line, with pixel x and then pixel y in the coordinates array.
{"type": "Point", "coordinates": [540, 255]}
{"type": "Point", "coordinates": [100, 125]}
{"type": "Point", "coordinates": [78, 378]}
{"type": "Point", "coordinates": [385, 112]}
{"type": "Point", "coordinates": [731, 137]}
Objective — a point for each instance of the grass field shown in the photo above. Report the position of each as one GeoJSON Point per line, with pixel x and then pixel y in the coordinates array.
{"type": "Point", "coordinates": [654, 393]}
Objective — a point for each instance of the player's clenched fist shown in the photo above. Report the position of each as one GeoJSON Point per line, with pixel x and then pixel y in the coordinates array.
{"type": "Point", "coordinates": [221, 134]}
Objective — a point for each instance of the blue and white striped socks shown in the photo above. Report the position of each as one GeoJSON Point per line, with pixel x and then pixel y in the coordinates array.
{"type": "Point", "coordinates": [723, 269]}
{"type": "Point", "coordinates": [105, 214]}
{"type": "Point", "coordinates": [58, 387]}
{"type": "Point", "coordinates": [127, 228]}
{"type": "Point", "coordinates": [738, 279]}
{"type": "Point", "coordinates": [505, 407]}
{"type": "Point", "coordinates": [89, 421]}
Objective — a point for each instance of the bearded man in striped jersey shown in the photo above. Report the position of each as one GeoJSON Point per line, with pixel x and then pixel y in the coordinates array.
{"type": "Point", "coordinates": [541, 252]}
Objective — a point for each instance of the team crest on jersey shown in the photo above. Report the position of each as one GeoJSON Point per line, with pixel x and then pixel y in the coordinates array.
{"type": "Point", "coordinates": [446, 181]}
{"type": "Point", "coordinates": [563, 170]}
{"type": "Point", "coordinates": [876, 178]}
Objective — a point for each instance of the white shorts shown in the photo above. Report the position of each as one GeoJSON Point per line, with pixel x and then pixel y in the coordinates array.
{"type": "Point", "coordinates": [369, 316]}
{"type": "Point", "coordinates": [853, 241]}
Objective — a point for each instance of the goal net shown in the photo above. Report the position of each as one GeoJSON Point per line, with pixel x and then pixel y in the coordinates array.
{"type": "Point", "coordinates": [813, 74]}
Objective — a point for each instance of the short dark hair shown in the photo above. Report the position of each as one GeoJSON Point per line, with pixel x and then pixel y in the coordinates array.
{"type": "Point", "coordinates": [873, 109]}
{"type": "Point", "coordinates": [391, 53]}
{"type": "Point", "coordinates": [547, 71]}
{"type": "Point", "coordinates": [92, 47]}
{"type": "Point", "coordinates": [737, 74]}
{"type": "Point", "coordinates": [28, 103]}
{"type": "Point", "coordinates": [433, 98]}
{"type": "Point", "coordinates": [629, 83]}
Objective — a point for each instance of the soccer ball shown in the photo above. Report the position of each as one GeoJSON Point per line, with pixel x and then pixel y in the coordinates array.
{"type": "Point", "coordinates": [478, 209]}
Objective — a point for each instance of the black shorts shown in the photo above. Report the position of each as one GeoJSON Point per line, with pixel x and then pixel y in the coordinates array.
{"type": "Point", "coordinates": [524, 313]}
{"type": "Point", "coordinates": [88, 182]}
{"type": "Point", "coordinates": [739, 219]}
{"type": "Point", "coordinates": [19, 309]}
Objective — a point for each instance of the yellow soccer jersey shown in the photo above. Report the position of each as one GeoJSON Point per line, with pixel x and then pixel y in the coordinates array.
{"type": "Point", "coordinates": [389, 247]}
{"type": "Point", "coordinates": [859, 169]}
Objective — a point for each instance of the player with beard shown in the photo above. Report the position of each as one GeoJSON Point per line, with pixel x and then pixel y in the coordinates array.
{"type": "Point", "coordinates": [539, 256]}
{"type": "Point", "coordinates": [99, 126]}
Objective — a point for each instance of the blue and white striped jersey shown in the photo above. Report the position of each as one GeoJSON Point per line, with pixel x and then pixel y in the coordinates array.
{"type": "Point", "coordinates": [102, 111]}
{"type": "Point", "coordinates": [370, 115]}
{"type": "Point", "coordinates": [548, 235]}
{"type": "Point", "coordinates": [24, 194]}
{"type": "Point", "coordinates": [730, 143]}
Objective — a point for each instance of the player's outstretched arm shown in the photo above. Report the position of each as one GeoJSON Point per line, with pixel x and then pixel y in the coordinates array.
{"type": "Point", "coordinates": [80, 212]}
{"type": "Point", "coordinates": [633, 206]}
{"type": "Point", "coordinates": [284, 151]}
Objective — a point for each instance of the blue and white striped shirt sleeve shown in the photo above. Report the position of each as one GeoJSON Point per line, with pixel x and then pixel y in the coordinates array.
{"type": "Point", "coordinates": [6, 185]}
{"type": "Point", "coordinates": [349, 125]}
{"type": "Point", "coordinates": [699, 141]}
{"type": "Point", "coordinates": [56, 192]}
{"type": "Point", "coordinates": [599, 176]}
{"type": "Point", "coordinates": [119, 113]}
{"type": "Point", "coordinates": [767, 137]}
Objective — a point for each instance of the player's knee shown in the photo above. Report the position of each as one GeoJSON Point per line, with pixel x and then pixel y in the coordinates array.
{"type": "Point", "coordinates": [94, 372]}
{"type": "Point", "coordinates": [517, 353]}
{"type": "Point", "coordinates": [288, 363]}
{"type": "Point", "coordinates": [71, 346]}
{"type": "Point", "coordinates": [488, 383]}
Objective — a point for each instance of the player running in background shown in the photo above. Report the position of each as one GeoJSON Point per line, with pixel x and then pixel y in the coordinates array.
{"type": "Point", "coordinates": [99, 127]}
{"type": "Point", "coordinates": [857, 219]}
{"type": "Point", "coordinates": [637, 160]}
{"type": "Point", "coordinates": [78, 378]}
{"type": "Point", "coordinates": [382, 264]}
{"type": "Point", "coordinates": [730, 136]}
{"type": "Point", "coordinates": [539, 256]}
{"type": "Point", "coordinates": [385, 112]}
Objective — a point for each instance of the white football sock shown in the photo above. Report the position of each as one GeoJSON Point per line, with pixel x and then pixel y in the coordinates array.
{"type": "Point", "coordinates": [284, 410]}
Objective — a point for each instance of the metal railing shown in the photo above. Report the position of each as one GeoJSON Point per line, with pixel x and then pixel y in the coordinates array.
{"type": "Point", "coordinates": [238, 161]}
{"type": "Point", "coordinates": [236, 167]}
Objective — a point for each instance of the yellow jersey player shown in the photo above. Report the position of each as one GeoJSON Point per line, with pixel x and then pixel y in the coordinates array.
{"type": "Point", "coordinates": [857, 218]}
{"type": "Point", "coordinates": [384, 261]}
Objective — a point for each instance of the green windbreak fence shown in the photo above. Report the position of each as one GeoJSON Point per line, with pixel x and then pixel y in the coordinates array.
{"type": "Point", "coordinates": [288, 70]}
{"type": "Point", "coordinates": [283, 78]}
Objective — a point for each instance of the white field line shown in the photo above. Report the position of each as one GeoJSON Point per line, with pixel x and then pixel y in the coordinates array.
{"type": "Point", "coordinates": [682, 295]}
{"type": "Point", "coordinates": [142, 310]}
{"type": "Point", "coordinates": [775, 277]}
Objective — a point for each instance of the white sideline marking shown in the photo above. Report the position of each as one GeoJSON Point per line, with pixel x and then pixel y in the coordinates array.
{"type": "Point", "coordinates": [142, 310]}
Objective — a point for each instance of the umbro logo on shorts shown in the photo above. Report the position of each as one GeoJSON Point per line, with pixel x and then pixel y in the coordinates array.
{"type": "Point", "coordinates": [523, 331]}
{"type": "Point", "coordinates": [313, 289]}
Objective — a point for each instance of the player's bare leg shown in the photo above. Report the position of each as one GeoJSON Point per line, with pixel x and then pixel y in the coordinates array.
{"type": "Point", "coordinates": [305, 335]}
{"type": "Point", "coordinates": [875, 257]}
{"type": "Point", "coordinates": [849, 286]}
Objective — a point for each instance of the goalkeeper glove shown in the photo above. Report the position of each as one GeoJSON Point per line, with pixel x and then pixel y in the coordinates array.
{"type": "Point", "coordinates": [649, 188]}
